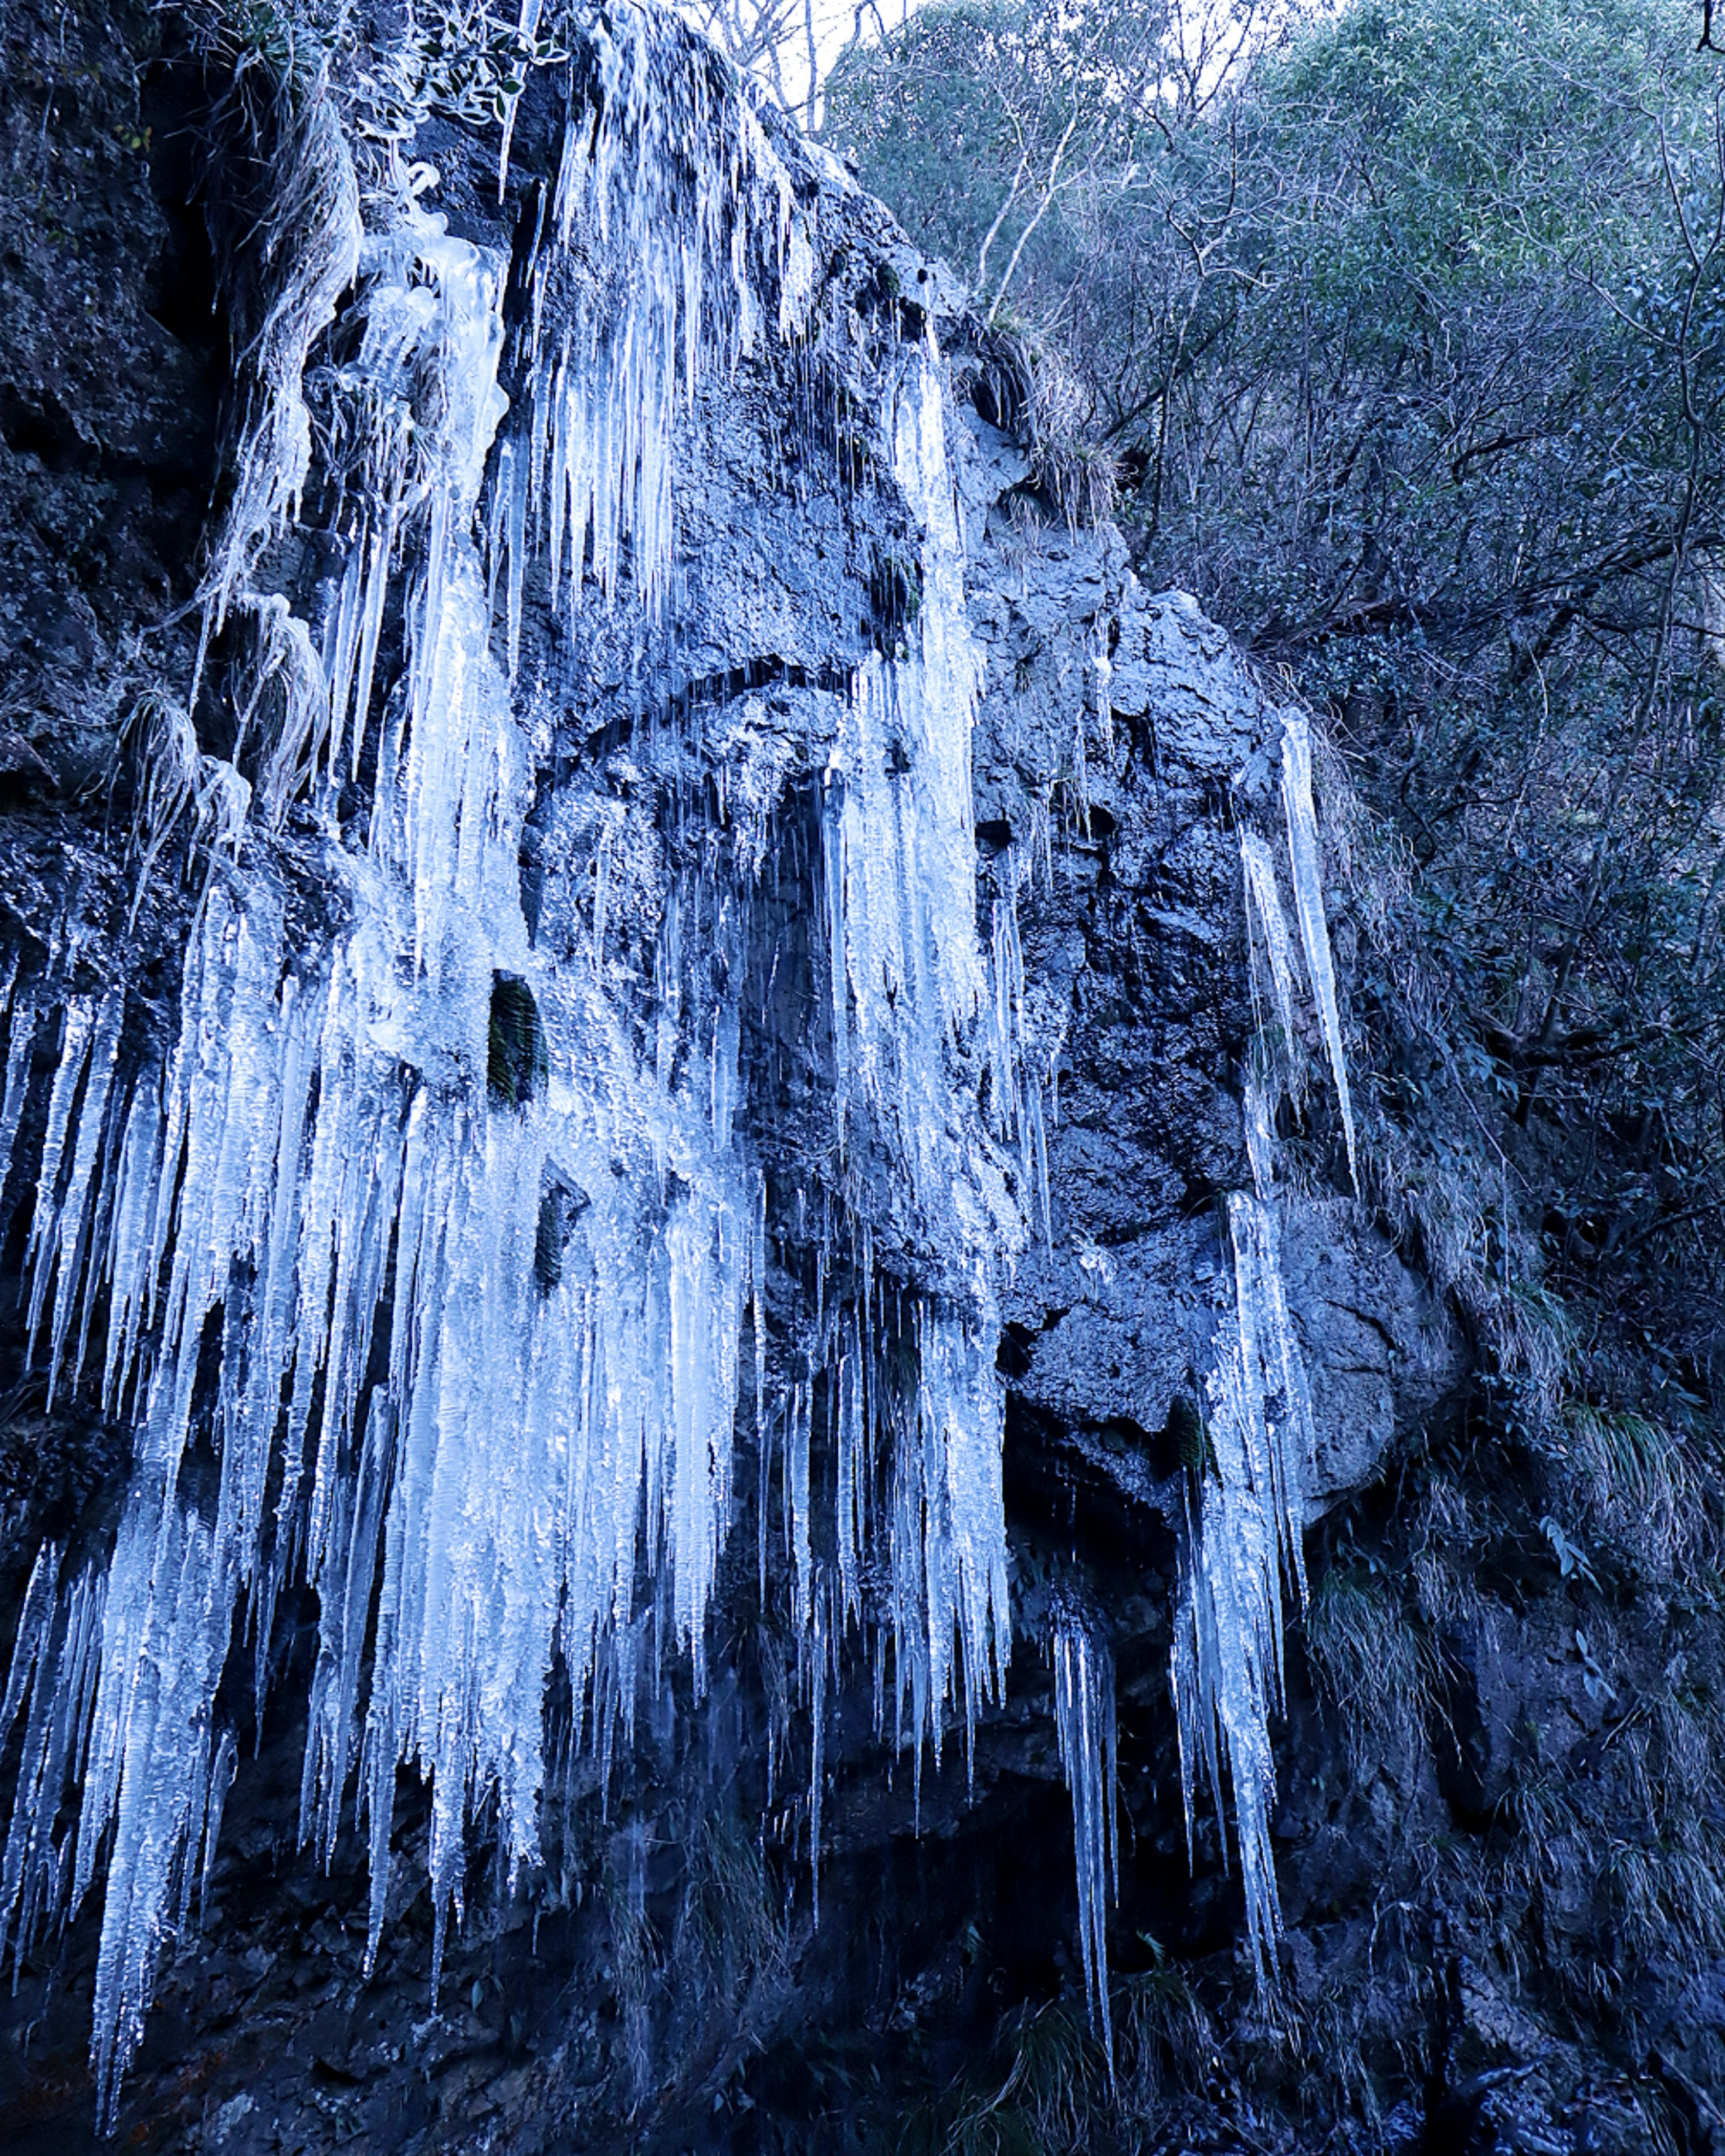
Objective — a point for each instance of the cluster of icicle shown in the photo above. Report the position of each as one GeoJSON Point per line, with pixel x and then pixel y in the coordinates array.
{"type": "Point", "coordinates": [1244, 1541]}
{"type": "Point", "coordinates": [908, 981]}
{"type": "Point", "coordinates": [1084, 1728]}
{"type": "Point", "coordinates": [569, 1271]}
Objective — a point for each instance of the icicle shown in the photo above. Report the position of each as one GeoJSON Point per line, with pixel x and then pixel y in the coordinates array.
{"type": "Point", "coordinates": [1244, 1539]}
{"type": "Point", "coordinates": [165, 1624]}
{"type": "Point", "coordinates": [284, 1148]}
{"type": "Point", "coordinates": [1084, 1722]}
{"type": "Point", "coordinates": [422, 1113]}
{"type": "Point", "coordinates": [1303, 857]}
{"type": "Point", "coordinates": [906, 974]}
{"type": "Point", "coordinates": [1227, 1671]}
{"type": "Point", "coordinates": [288, 659]}
{"type": "Point", "coordinates": [34, 1675]}
{"type": "Point", "coordinates": [906, 979]}
{"type": "Point", "coordinates": [1266, 900]}
{"type": "Point", "coordinates": [76, 1026]}
{"type": "Point", "coordinates": [798, 1426]}
{"type": "Point", "coordinates": [681, 195]}
{"type": "Point", "coordinates": [850, 1524]}
{"type": "Point", "coordinates": [951, 1617]}
{"type": "Point", "coordinates": [820, 1646]}
{"type": "Point", "coordinates": [21, 1041]}
{"type": "Point", "coordinates": [1261, 1095]}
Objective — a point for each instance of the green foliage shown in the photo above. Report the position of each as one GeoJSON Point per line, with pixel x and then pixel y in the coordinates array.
{"type": "Point", "coordinates": [1046, 2092]}
{"type": "Point", "coordinates": [289, 42]}
{"type": "Point", "coordinates": [516, 1063]}
{"type": "Point", "coordinates": [1669, 1892]}
{"type": "Point", "coordinates": [462, 58]}
{"type": "Point", "coordinates": [1405, 337]}
{"type": "Point", "coordinates": [459, 57]}
{"type": "Point", "coordinates": [729, 1920]}
{"type": "Point", "coordinates": [1636, 1485]}
{"type": "Point", "coordinates": [987, 123]}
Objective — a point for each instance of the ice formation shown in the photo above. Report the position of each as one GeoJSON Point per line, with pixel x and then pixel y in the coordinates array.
{"type": "Point", "coordinates": [1084, 1726]}
{"type": "Point", "coordinates": [420, 1268]}
{"type": "Point", "coordinates": [1247, 1505]}
{"type": "Point", "coordinates": [424, 1265]}
{"type": "Point", "coordinates": [1243, 1539]}
{"type": "Point", "coordinates": [1305, 860]}
{"type": "Point", "coordinates": [906, 978]}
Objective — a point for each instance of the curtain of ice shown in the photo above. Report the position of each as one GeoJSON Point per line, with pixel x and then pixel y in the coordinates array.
{"type": "Point", "coordinates": [667, 180]}
{"type": "Point", "coordinates": [324, 1136]}
{"type": "Point", "coordinates": [1247, 1504]}
{"type": "Point", "coordinates": [906, 976]}
{"type": "Point", "coordinates": [563, 1263]}
{"type": "Point", "coordinates": [1243, 1539]}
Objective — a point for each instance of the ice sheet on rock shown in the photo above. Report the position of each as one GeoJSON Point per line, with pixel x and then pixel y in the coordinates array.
{"type": "Point", "coordinates": [1241, 1545]}
{"type": "Point", "coordinates": [1084, 1726]}
{"type": "Point", "coordinates": [1305, 862]}
{"type": "Point", "coordinates": [1264, 902]}
{"type": "Point", "coordinates": [1266, 1334]}
{"type": "Point", "coordinates": [1262, 1091]}
{"type": "Point", "coordinates": [905, 971]}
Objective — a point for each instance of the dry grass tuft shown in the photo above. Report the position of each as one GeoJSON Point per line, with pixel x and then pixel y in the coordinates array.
{"type": "Point", "coordinates": [1378, 1669]}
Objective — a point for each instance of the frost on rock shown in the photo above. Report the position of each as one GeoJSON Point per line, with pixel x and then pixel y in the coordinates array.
{"type": "Point", "coordinates": [1084, 1726]}
{"type": "Point", "coordinates": [315, 230]}
{"type": "Point", "coordinates": [438, 1245]}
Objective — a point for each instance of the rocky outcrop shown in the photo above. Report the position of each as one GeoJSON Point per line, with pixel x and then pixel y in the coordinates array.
{"type": "Point", "coordinates": [662, 1978]}
{"type": "Point", "coordinates": [1121, 734]}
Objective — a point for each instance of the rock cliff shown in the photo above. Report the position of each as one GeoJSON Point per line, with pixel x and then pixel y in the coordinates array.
{"type": "Point", "coordinates": [965, 1069]}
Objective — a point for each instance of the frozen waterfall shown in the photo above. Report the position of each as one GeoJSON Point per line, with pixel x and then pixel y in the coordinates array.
{"type": "Point", "coordinates": [1246, 1506]}
{"type": "Point", "coordinates": [428, 1255]}
{"type": "Point", "coordinates": [475, 1242]}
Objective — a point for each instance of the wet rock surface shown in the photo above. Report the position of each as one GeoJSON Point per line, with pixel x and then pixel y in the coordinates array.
{"type": "Point", "coordinates": [664, 1983]}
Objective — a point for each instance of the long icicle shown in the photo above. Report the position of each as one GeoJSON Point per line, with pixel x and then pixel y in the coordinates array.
{"type": "Point", "coordinates": [1305, 862]}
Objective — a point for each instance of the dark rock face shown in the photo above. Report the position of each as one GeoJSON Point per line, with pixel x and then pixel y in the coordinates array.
{"type": "Point", "coordinates": [1134, 940]}
{"type": "Point", "coordinates": [111, 389]}
{"type": "Point", "coordinates": [664, 1983]}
